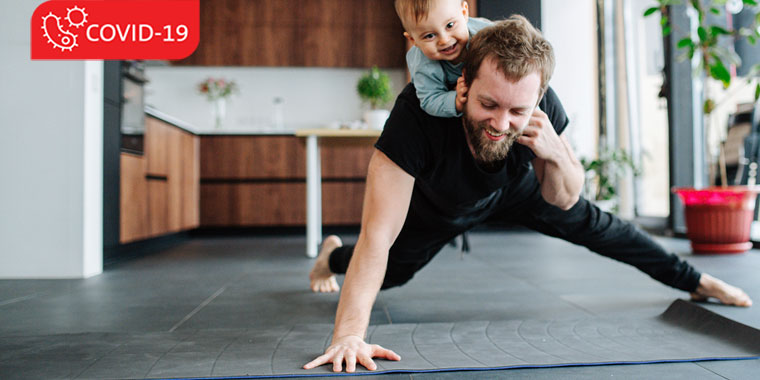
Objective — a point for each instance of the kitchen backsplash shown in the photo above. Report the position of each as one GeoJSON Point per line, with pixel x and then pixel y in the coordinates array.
{"type": "Point", "coordinates": [312, 97]}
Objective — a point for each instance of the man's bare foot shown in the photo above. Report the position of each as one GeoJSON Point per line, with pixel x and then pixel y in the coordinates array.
{"type": "Point", "coordinates": [322, 280]}
{"type": "Point", "coordinates": [710, 286]}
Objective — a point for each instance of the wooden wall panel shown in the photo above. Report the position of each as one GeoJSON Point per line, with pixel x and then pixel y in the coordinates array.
{"type": "Point", "coordinates": [249, 157]}
{"type": "Point", "coordinates": [133, 223]}
{"type": "Point", "coordinates": [321, 33]}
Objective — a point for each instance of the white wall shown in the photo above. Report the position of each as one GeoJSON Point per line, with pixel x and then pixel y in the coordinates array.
{"type": "Point", "coordinates": [313, 97]}
{"type": "Point", "coordinates": [50, 158]}
{"type": "Point", "coordinates": [570, 26]}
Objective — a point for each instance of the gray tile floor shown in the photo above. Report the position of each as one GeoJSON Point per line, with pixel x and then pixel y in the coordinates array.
{"type": "Point", "coordinates": [173, 314]}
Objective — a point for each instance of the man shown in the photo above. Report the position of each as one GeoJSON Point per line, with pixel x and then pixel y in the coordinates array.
{"type": "Point", "coordinates": [430, 179]}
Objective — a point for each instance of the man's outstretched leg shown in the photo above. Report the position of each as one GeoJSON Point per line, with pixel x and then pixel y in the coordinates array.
{"type": "Point", "coordinates": [322, 278]}
{"type": "Point", "coordinates": [585, 224]}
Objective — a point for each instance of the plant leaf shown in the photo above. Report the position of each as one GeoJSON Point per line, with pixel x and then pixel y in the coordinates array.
{"type": "Point", "coordinates": [716, 30]}
{"type": "Point", "coordinates": [650, 11]}
{"type": "Point", "coordinates": [666, 30]}
{"type": "Point", "coordinates": [719, 72]}
{"type": "Point", "coordinates": [715, 10]}
{"type": "Point", "coordinates": [750, 2]}
{"type": "Point", "coordinates": [684, 42]}
{"type": "Point", "coordinates": [751, 39]}
{"type": "Point", "coordinates": [757, 92]}
{"type": "Point", "coordinates": [702, 33]}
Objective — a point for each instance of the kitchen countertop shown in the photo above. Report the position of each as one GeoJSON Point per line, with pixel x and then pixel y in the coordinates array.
{"type": "Point", "coordinates": [317, 129]}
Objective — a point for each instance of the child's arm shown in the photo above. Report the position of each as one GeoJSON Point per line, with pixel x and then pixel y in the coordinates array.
{"type": "Point", "coordinates": [429, 81]}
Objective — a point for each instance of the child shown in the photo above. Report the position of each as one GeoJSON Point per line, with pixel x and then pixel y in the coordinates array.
{"type": "Point", "coordinates": [440, 31]}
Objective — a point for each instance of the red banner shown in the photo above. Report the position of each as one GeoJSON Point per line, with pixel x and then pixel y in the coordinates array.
{"type": "Point", "coordinates": [115, 29]}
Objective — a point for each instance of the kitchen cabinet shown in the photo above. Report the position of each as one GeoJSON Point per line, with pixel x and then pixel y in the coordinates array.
{"type": "Point", "coordinates": [260, 181]}
{"type": "Point", "coordinates": [160, 191]}
{"type": "Point", "coordinates": [133, 200]}
{"type": "Point", "coordinates": [302, 33]}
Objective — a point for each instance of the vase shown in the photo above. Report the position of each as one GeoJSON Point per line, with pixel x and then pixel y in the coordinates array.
{"type": "Point", "coordinates": [375, 119]}
{"type": "Point", "coordinates": [220, 112]}
{"type": "Point", "coordinates": [719, 219]}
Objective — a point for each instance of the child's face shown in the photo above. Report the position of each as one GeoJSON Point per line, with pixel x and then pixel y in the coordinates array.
{"type": "Point", "coordinates": [443, 35]}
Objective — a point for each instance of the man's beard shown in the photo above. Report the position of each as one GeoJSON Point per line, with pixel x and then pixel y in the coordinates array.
{"type": "Point", "coordinates": [487, 152]}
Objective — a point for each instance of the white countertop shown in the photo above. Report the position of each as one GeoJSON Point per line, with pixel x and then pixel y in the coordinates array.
{"type": "Point", "coordinates": [239, 130]}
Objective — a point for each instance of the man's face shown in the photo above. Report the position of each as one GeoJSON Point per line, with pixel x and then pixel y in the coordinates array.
{"type": "Point", "coordinates": [497, 111]}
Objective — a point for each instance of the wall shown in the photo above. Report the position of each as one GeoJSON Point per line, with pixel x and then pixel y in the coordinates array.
{"type": "Point", "coordinates": [50, 157]}
{"type": "Point", "coordinates": [570, 26]}
{"type": "Point", "coordinates": [313, 96]}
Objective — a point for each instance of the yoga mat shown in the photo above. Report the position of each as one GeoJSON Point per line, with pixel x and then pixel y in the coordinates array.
{"type": "Point", "coordinates": [684, 332]}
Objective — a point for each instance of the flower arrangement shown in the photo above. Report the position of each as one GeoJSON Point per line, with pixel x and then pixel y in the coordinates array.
{"type": "Point", "coordinates": [217, 88]}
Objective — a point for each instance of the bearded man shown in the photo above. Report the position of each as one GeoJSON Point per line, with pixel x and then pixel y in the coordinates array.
{"type": "Point", "coordinates": [430, 179]}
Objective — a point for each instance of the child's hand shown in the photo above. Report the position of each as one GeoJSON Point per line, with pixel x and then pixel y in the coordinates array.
{"type": "Point", "coordinates": [461, 97]}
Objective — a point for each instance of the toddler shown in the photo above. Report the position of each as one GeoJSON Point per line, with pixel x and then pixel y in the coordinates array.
{"type": "Point", "coordinates": [440, 31]}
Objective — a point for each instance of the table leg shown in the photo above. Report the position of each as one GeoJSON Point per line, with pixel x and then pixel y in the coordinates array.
{"type": "Point", "coordinates": [313, 196]}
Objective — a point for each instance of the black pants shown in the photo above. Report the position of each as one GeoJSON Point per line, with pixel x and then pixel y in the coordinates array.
{"type": "Point", "coordinates": [422, 236]}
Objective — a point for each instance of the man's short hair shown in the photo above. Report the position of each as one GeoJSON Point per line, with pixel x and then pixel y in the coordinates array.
{"type": "Point", "coordinates": [516, 46]}
{"type": "Point", "coordinates": [413, 9]}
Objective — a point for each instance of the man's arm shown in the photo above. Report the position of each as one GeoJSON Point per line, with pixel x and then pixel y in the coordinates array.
{"type": "Point", "coordinates": [558, 170]}
{"type": "Point", "coordinates": [386, 202]}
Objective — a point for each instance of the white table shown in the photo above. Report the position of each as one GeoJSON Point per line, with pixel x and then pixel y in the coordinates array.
{"type": "Point", "coordinates": [314, 179]}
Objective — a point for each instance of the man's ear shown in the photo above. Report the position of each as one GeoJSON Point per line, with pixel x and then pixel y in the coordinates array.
{"type": "Point", "coordinates": [409, 37]}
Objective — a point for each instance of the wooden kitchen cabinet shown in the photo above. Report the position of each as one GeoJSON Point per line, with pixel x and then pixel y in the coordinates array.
{"type": "Point", "coordinates": [252, 157]}
{"type": "Point", "coordinates": [303, 33]}
{"type": "Point", "coordinates": [156, 140]}
{"type": "Point", "coordinates": [190, 182]}
{"type": "Point", "coordinates": [183, 168]}
{"type": "Point", "coordinates": [260, 181]}
{"type": "Point", "coordinates": [160, 190]}
{"type": "Point", "coordinates": [133, 202]}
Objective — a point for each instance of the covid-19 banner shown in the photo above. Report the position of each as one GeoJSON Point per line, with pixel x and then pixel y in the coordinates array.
{"type": "Point", "coordinates": [115, 29]}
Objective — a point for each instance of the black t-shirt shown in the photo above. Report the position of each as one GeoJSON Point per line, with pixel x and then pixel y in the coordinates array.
{"type": "Point", "coordinates": [448, 182]}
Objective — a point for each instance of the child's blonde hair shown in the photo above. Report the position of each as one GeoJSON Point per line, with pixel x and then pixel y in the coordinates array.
{"type": "Point", "coordinates": [413, 9]}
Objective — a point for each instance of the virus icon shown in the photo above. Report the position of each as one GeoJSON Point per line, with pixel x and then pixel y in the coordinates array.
{"type": "Point", "coordinates": [52, 30]}
{"type": "Point", "coordinates": [79, 14]}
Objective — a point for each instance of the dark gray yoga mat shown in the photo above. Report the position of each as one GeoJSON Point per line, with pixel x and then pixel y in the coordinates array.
{"type": "Point", "coordinates": [684, 332]}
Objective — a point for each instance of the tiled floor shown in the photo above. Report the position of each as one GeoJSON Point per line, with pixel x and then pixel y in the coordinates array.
{"type": "Point", "coordinates": [173, 314]}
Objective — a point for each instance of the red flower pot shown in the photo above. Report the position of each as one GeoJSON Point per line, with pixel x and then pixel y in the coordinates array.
{"type": "Point", "coordinates": [718, 219]}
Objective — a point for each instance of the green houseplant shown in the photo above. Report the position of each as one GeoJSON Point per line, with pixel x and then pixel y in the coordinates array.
{"type": "Point", "coordinates": [718, 219]}
{"type": "Point", "coordinates": [603, 175]}
{"type": "Point", "coordinates": [374, 88]}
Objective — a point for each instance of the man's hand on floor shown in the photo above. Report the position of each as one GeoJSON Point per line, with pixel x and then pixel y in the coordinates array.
{"type": "Point", "coordinates": [352, 349]}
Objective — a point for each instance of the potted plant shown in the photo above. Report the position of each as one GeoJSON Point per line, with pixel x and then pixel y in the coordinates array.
{"type": "Point", "coordinates": [603, 175]}
{"type": "Point", "coordinates": [216, 91]}
{"type": "Point", "coordinates": [718, 219]}
{"type": "Point", "coordinates": [374, 88]}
